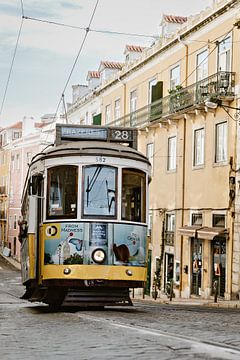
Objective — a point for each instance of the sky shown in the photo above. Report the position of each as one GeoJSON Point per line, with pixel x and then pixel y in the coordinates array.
{"type": "Point", "coordinates": [46, 53]}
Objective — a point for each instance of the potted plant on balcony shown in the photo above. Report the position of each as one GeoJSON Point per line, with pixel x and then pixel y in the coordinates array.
{"type": "Point", "coordinates": [179, 99]}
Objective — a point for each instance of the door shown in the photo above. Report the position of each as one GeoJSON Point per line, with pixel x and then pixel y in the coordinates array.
{"type": "Point", "coordinates": [169, 270]}
{"type": "Point", "coordinates": [196, 267]}
{"type": "Point", "coordinates": [219, 264]}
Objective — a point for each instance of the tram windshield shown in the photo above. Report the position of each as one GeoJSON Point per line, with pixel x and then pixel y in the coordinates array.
{"type": "Point", "coordinates": [133, 195]}
{"type": "Point", "coordinates": [62, 192]}
{"type": "Point", "coordinates": [99, 193]}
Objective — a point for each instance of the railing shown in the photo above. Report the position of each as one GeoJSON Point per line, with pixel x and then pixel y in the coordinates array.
{"type": "Point", "coordinates": [169, 238]}
{"type": "Point", "coordinates": [216, 86]}
{"type": "Point", "coordinates": [2, 190]}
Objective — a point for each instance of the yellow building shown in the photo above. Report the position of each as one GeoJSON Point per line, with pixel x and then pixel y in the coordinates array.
{"type": "Point", "coordinates": [182, 95]}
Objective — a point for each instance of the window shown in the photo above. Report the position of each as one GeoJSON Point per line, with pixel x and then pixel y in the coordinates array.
{"type": "Point", "coordinates": [99, 193]}
{"type": "Point", "coordinates": [219, 220]}
{"type": "Point", "coordinates": [117, 112]}
{"type": "Point", "coordinates": [151, 83]}
{"type": "Point", "coordinates": [224, 54]}
{"type": "Point", "coordinates": [198, 147]}
{"type": "Point", "coordinates": [16, 135]}
{"type": "Point", "coordinates": [197, 219]}
{"type": "Point", "coordinates": [108, 114]}
{"type": "Point", "coordinates": [150, 154]}
{"type": "Point", "coordinates": [133, 195]}
{"type": "Point", "coordinates": [170, 222]}
{"type": "Point", "coordinates": [171, 159]}
{"type": "Point", "coordinates": [221, 142]}
{"type": "Point", "coordinates": [174, 77]}
{"type": "Point", "coordinates": [133, 107]}
{"type": "Point", "coordinates": [62, 192]}
{"type": "Point", "coordinates": [15, 222]}
{"type": "Point", "coordinates": [202, 65]}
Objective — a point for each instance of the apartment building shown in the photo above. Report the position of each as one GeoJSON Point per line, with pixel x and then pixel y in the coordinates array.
{"type": "Point", "coordinates": [183, 94]}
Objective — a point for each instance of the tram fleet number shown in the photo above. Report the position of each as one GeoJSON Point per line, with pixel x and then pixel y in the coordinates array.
{"type": "Point", "coordinates": [118, 135]}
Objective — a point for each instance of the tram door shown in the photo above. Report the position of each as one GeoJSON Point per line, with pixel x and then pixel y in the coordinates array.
{"type": "Point", "coordinates": [196, 266]}
{"type": "Point", "coordinates": [219, 264]}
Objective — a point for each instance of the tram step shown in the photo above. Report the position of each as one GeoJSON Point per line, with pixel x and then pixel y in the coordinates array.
{"type": "Point", "coordinates": [97, 297]}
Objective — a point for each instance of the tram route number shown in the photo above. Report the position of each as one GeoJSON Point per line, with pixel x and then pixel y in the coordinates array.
{"type": "Point", "coordinates": [121, 135]}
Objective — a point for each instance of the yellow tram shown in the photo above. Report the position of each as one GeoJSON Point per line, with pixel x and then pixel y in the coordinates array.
{"type": "Point", "coordinates": [84, 218]}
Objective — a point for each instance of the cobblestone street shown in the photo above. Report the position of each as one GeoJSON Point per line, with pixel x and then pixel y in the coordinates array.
{"type": "Point", "coordinates": [147, 331]}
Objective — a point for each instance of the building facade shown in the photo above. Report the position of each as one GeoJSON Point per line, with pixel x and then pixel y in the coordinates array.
{"type": "Point", "coordinates": [182, 94]}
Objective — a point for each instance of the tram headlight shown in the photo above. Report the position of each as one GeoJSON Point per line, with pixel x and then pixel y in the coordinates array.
{"type": "Point", "coordinates": [67, 271]}
{"type": "Point", "coordinates": [98, 256]}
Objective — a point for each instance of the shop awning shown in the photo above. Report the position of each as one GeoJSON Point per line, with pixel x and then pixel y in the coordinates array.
{"type": "Point", "coordinates": [209, 233]}
{"type": "Point", "coordinates": [188, 230]}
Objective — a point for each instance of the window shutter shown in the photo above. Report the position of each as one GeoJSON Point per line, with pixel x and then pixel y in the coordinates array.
{"type": "Point", "coordinates": [97, 119]}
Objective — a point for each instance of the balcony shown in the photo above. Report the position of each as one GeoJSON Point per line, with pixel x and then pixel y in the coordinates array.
{"type": "Point", "coordinates": [169, 238]}
{"type": "Point", "coordinates": [186, 100]}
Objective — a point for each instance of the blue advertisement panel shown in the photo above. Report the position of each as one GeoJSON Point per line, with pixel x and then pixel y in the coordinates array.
{"type": "Point", "coordinates": [63, 243]}
{"type": "Point", "coordinates": [129, 245]}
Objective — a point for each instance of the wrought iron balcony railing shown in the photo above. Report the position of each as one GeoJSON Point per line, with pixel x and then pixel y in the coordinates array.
{"type": "Point", "coordinates": [2, 190]}
{"type": "Point", "coordinates": [169, 238]}
{"type": "Point", "coordinates": [218, 86]}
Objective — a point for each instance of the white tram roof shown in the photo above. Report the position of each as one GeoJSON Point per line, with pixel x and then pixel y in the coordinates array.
{"type": "Point", "coordinates": [91, 148]}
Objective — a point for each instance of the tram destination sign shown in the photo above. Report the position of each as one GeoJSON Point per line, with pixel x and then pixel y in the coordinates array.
{"type": "Point", "coordinates": [66, 132]}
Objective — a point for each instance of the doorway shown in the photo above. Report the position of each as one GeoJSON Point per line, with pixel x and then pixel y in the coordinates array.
{"type": "Point", "coordinates": [219, 264]}
{"type": "Point", "coordinates": [196, 267]}
{"type": "Point", "coordinates": [169, 270]}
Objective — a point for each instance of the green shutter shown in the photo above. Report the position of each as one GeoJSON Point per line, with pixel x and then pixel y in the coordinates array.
{"type": "Point", "coordinates": [97, 119]}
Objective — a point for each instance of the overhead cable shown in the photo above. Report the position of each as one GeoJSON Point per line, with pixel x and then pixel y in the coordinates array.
{"type": "Point", "coordinates": [11, 66]}
{"type": "Point", "coordinates": [89, 29]}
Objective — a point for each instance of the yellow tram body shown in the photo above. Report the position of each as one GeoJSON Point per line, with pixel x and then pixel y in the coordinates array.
{"type": "Point", "coordinates": [84, 228]}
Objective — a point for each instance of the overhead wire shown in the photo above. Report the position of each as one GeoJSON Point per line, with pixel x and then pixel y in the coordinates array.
{"type": "Point", "coordinates": [74, 64]}
{"type": "Point", "coordinates": [89, 29]}
{"type": "Point", "coordinates": [11, 66]}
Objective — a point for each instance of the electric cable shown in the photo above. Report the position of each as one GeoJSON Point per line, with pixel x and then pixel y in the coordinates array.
{"type": "Point", "coordinates": [11, 66]}
{"type": "Point", "coordinates": [92, 30]}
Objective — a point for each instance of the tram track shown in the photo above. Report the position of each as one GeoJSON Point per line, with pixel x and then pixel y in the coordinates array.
{"type": "Point", "coordinates": [205, 346]}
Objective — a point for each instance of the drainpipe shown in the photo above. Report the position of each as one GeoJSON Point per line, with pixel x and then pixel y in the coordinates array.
{"type": "Point", "coordinates": [124, 97]}
{"type": "Point", "coordinates": [186, 60]}
{"type": "Point", "coordinates": [183, 164]}
{"type": "Point", "coordinates": [183, 201]}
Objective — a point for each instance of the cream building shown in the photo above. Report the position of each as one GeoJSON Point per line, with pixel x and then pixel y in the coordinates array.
{"type": "Point", "coordinates": [182, 95]}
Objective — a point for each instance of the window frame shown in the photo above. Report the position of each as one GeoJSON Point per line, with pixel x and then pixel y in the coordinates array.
{"type": "Point", "coordinates": [172, 154]}
{"type": "Point", "coordinates": [174, 81]}
{"type": "Point", "coordinates": [202, 65]}
{"type": "Point", "coordinates": [218, 160]}
{"type": "Point", "coordinates": [199, 153]}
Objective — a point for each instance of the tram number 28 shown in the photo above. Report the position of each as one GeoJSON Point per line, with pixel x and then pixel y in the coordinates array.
{"type": "Point", "coordinates": [121, 135]}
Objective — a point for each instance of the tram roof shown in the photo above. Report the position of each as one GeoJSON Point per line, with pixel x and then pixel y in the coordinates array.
{"type": "Point", "coordinates": [91, 148]}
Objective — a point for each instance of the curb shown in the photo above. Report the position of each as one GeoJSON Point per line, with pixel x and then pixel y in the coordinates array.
{"type": "Point", "coordinates": [191, 302]}
{"type": "Point", "coordinates": [11, 261]}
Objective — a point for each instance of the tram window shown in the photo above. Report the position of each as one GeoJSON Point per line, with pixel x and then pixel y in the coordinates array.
{"type": "Point", "coordinates": [99, 193]}
{"type": "Point", "coordinates": [62, 192]}
{"type": "Point", "coordinates": [133, 195]}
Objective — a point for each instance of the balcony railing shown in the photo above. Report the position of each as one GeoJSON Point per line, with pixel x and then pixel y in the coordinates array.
{"type": "Point", "coordinates": [169, 238]}
{"type": "Point", "coordinates": [217, 86]}
{"type": "Point", "coordinates": [2, 190]}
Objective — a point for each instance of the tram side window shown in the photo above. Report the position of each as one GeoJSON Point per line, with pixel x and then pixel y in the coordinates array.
{"type": "Point", "coordinates": [133, 195]}
{"type": "Point", "coordinates": [62, 192]}
{"type": "Point", "coordinates": [99, 193]}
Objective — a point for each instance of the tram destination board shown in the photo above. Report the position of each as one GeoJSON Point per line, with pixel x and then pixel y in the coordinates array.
{"type": "Point", "coordinates": [66, 132]}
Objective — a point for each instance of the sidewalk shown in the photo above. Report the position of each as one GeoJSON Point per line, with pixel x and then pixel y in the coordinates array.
{"type": "Point", "coordinates": [11, 261]}
{"type": "Point", "coordinates": [227, 304]}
